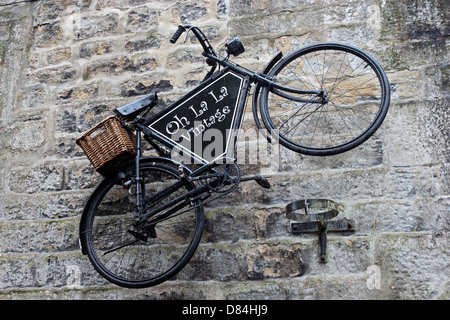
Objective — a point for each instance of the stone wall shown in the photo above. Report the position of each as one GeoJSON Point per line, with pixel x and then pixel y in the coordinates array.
{"type": "Point", "coordinates": [66, 64]}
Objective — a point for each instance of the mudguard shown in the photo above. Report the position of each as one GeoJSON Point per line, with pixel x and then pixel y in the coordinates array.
{"type": "Point", "coordinates": [266, 71]}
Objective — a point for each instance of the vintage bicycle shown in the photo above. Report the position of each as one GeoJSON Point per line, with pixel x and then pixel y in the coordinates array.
{"type": "Point", "coordinates": [144, 221]}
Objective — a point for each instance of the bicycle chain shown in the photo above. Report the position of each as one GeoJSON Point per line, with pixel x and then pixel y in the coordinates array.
{"type": "Point", "coordinates": [226, 176]}
{"type": "Point", "coordinates": [192, 207]}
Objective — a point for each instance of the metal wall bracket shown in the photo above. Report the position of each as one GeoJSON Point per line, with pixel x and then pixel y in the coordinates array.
{"type": "Point", "coordinates": [316, 216]}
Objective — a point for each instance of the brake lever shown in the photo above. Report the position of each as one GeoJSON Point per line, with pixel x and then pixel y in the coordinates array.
{"type": "Point", "coordinates": [201, 37]}
{"type": "Point", "coordinates": [187, 33]}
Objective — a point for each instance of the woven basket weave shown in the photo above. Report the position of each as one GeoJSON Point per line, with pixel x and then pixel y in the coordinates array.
{"type": "Point", "coordinates": [108, 145]}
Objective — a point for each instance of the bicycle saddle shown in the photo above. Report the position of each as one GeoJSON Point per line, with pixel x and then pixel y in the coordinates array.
{"type": "Point", "coordinates": [132, 109]}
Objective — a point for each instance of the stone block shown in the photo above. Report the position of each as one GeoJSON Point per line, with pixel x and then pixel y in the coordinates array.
{"type": "Point", "coordinates": [338, 185]}
{"type": "Point", "coordinates": [91, 114]}
{"type": "Point", "coordinates": [66, 120]}
{"type": "Point", "coordinates": [275, 261]}
{"type": "Point", "coordinates": [414, 131]}
{"type": "Point", "coordinates": [241, 223]}
{"type": "Point", "coordinates": [367, 155]}
{"type": "Point", "coordinates": [408, 55]}
{"type": "Point", "coordinates": [244, 260]}
{"type": "Point", "coordinates": [90, 49]}
{"type": "Point", "coordinates": [413, 266]}
{"type": "Point", "coordinates": [78, 94]}
{"type": "Point", "coordinates": [117, 66]}
{"type": "Point", "coordinates": [137, 86]}
{"type": "Point", "coordinates": [70, 270]}
{"type": "Point", "coordinates": [445, 179]}
{"type": "Point", "coordinates": [56, 9]}
{"type": "Point", "coordinates": [39, 236]}
{"type": "Point", "coordinates": [80, 176]}
{"type": "Point", "coordinates": [438, 79]}
{"type": "Point", "coordinates": [27, 136]}
{"type": "Point", "coordinates": [66, 148]}
{"type": "Point", "coordinates": [434, 136]}
{"type": "Point", "coordinates": [142, 43]}
{"type": "Point", "coordinates": [434, 213]}
{"type": "Point", "coordinates": [220, 263]}
{"type": "Point", "coordinates": [16, 273]}
{"type": "Point", "coordinates": [323, 287]}
{"type": "Point", "coordinates": [47, 35]}
{"type": "Point", "coordinates": [142, 19]}
{"type": "Point", "coordinates": [90, 26]}
{"type": "Point", "coordinates": [184, 56]}
{"type": "Point", "coordinates": [191, 12]}
{"type": "Point", "coordinates": [40, 206]}
{"type": "Point", "coordinates": [58, 55]}
{"type": "Point", "coordinates": [415, 20]}
{"type": "Point", "coordinates": [41, 178]}
{"type": "Point", "coordinates": [33, 97]}
{"type": "Point", "coordinates": [223, 8]}
{"type": "Point", "coordinates": [373, 217]}
{"type": "Point", "coordinates": [51, 176]}
{"type": "Point", "coordinates": [121, 4]}
{"type": "Point", "coordinates": [55, 75]}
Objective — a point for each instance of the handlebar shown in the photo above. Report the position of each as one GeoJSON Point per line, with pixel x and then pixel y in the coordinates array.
{"type": "Point", "coordinates": [177, 34]}
{"type": "Point", "coordinates": [207, 48]}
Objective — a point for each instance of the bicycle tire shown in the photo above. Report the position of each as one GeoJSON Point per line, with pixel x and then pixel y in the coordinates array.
{"type": "Point", "coordinates": [356, 99]}
{"type": "Point", "coordinates": [157, 253]}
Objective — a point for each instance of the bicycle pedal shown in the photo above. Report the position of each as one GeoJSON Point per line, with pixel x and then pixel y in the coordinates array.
{"type": "Point", "coordinates": [263, 182]}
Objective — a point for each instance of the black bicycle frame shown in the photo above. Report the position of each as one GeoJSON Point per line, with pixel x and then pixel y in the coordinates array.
{"type": "Point", "coordinates": [248, 77]}
{"type": "Point", "coordinates": [241, 92]}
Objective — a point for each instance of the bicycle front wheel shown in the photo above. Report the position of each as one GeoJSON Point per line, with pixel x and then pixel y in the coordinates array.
{"type": "Point", "coordinates": [350, 102]}
{"type": "Point", "coordinates": [142, 255]}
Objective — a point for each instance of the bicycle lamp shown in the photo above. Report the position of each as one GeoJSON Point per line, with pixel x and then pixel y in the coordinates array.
{"type": "Point", "coordinates": [235, 47]}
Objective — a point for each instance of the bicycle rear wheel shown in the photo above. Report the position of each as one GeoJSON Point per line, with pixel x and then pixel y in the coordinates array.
{"type": "Point", "coordinates": [352, 102]}
{"type": "Point", "coordinates": [147, 254]}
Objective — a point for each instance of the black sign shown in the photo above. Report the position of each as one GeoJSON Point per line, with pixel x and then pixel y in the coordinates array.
{"type": "Point", "coordinates": [202, 125]}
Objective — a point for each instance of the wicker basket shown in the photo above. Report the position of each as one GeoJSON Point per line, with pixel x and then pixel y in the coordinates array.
{"type": "Point", "coordinates": [108, 145]}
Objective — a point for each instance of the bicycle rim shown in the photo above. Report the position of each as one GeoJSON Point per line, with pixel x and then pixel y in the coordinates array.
{"type": "Point", "coordinates": [149, 254]}
{"type": "Point", "coordinates": [353, 103]}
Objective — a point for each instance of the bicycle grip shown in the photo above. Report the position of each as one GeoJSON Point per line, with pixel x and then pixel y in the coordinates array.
{"type": "Point", "coordinates": [177, 34]}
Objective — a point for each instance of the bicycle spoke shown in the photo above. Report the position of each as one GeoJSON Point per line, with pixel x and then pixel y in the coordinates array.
{"type": "Point", "coordinates": [121, 246]}
{"type": "Point", "coordinates": [357, 88]}
{"type": "Point", "coordinates": [295, 113]}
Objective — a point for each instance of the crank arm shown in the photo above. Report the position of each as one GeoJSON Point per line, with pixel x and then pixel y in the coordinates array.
{"type": "Point", "coordinates": [181, 200]}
